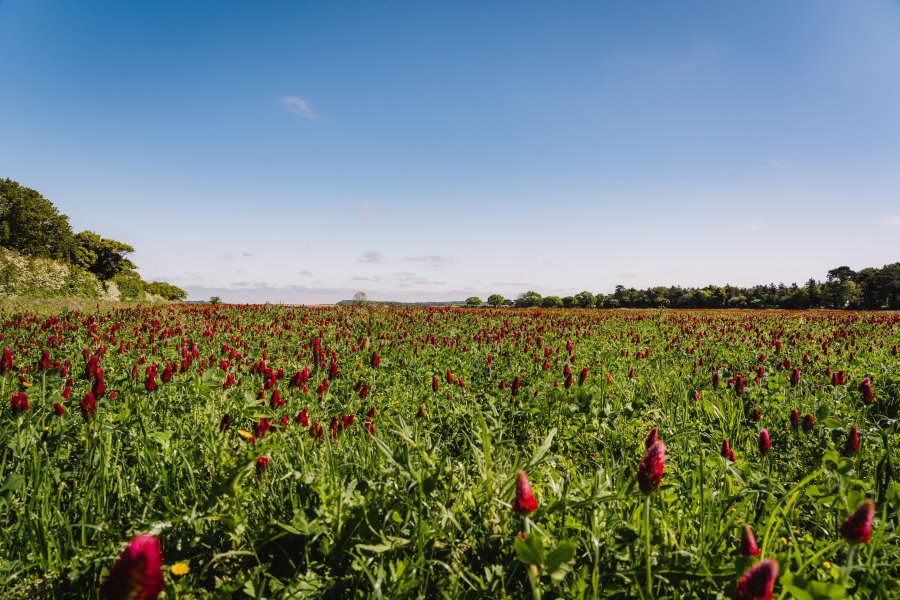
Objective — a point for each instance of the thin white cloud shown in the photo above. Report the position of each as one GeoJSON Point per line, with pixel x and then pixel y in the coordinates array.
{"type": "Point", "coordinates": [432, 260]}
{"type": "Point", "coordinates": [367, 208]}
{"type": "Point", "coordinates": [778, 163]}
{"type": "Point", "coordinates": [298, 106]}
{"type": "Point", "coordinates": [893, 221]}
{"type": "Point", "coordinates": [371, 257]}
{"type": "Point", "coordinates": [757, 225]}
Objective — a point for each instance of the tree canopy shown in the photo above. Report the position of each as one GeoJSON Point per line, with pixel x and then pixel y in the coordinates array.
{"type": "Point", "coordinates": [32, 225]}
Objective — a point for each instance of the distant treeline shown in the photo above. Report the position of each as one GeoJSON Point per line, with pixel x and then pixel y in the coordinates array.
{"type": "Point", "coordinates": [868, 289]}
{"type": "Point", "coordinates": [32, 226]}
{"type": "Point", "coordinates": [395, 303]}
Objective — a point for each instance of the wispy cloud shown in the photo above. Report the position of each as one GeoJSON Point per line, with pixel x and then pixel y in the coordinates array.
{"type": "Point", "coordinates": [893, 221]}
{"type": "Point", "coordinates": [298, 106]}
{"type": "Point", "coordinates": [371, 257]}
{"type": "Point", "coordinates": [230, 256]}
{"type": "Point", "coordinates": [778, 163]}
{"type": "Point", "coordinates": [367, 208]}
{"type": "Point", "coordinates": [433, 260]}
{"type": "Point", "coordinates": [757, 225]}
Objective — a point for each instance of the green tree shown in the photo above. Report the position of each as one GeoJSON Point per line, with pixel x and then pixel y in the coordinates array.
{"type": "Point", "coordinates": [585, 299]}
{"type": "Point", "coordinates": [31, 224]}
{"type": "Point", "coordinates": [528, 299]}
{"type": "Point", "coordinates": [841, 274]}
{"type": "Point", "coordinates": [473, 301]}
{"type": "Point", "coordinates": [552, 302]}
{"type": "Point", "coordinates": [104, 257]}
{"type": "Point", "coordinates": [359, 299]}
{"type": "Point", "coordinates": [166, 290]}
{"type": "Point", "coordinates": [496, 300]}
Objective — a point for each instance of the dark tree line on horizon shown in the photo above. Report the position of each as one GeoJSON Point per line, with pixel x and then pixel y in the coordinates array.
{"type": "Point", "coordinates": [843, 289]}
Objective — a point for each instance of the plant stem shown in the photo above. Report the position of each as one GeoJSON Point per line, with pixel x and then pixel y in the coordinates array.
{"type": "Point", "coordinates": [647, 545]}
{"type": "Point", "coordinates": [851, 554]}
{"type": "Point", "coordinates": [533, 580]}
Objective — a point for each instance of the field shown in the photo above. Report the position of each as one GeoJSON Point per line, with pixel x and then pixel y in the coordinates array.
{"type": "Point", "coordinates": [373, 452]}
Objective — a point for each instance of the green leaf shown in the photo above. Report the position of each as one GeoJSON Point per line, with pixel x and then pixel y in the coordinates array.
{"type": "Point", "coordinates": [12, 483]}
{"type": "Point", "coordinates": [544, 448]}
{"type": "Point", "coordinates": [823, 590]}
{"type": "Point", "coordinates": [559, 560]}
{"type": "Point", "coordinates": [531, 550]}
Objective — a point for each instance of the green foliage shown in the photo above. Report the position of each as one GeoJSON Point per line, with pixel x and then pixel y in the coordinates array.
{"type": "Point", "coordinates": [103, 257]}
{"type": "Point", "coordinates": [528, 299]}
{"type": "Point", "coordinates": [26, 277]}
{"type": "Point", "coordinates": [129, 285]}
{"type": "Point", "coordinates": [421, 508]}
{"type": "Point", "coordinates": [31, 225]}
{"type": "Point", "coordinates": [36, 235]}
{"type": "Point", "coordinates": [551, 302]}
{"type": "Point", "coordinates": [473, 301]}
{"type": "Point", "coordinates": [496, 300]}
{"type": "Point", "coordinates": [166, 291]}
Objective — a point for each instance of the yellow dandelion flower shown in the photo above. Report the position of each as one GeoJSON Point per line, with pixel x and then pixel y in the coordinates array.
{"type": "Point", "coordinates": [783, 540]}
{"type": "Point", "coordinates": [26, 384]}
{"type": "Point", "coordinates": [826, 565]}
{"type": "Point", "coordinates": [180, 569]}
{"type": "Point", "coordinates": [245, 434]}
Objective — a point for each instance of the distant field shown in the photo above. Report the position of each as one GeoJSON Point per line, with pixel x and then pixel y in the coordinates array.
{"type": "Point", "coordinates": [346, 452]}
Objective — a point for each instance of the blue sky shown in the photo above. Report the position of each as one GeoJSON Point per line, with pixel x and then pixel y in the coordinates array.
{"type": "Point", "coordinates": [304, 151]}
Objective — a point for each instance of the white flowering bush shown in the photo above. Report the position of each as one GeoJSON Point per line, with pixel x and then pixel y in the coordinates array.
{"type": "Point", "coordinates": [23, 277]}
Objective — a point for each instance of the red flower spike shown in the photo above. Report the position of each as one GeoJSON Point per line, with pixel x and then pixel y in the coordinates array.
{"type": "Point", "coordinates": [795, 418]}
{"type": "Point", "coordinates": [137, 575]}
{"type": "Point", "coordinates": [739, 384]}
{"type": "Point", "coordinates": [807, 423]}
{"type": "Point", "coordinates": [262, 463]}
{"type": "Point", "coordinates": [851, 446]}
{"type": "Point", "coordinates": [434, 383]}
{"type": "Point", "coordinates": [865, 388]}
{"type": "Point", "coordinates": [757, 582]}
{"type": "Point", "coordinates": [524, 502]}
{"type": "Point", "coordinates": [375, 361]}
{"type": "Point", "coordinates": [19, 403]}
{"type": "Point", "coordinates": [650, 471]}
{"type": "Point", "coordinates": [58, 409]}
{"type": "Point", "coordinates": [6, 362]}
{"type": "Point", "coordinates": [88, 406]}
{"type": "Point", "coordinates": [725, 451]}
{"type": "Point", "coordinates": [747, 546]}
{"type": "Point", "coordinates": [857, 527]}
{"type": "Point", "coordinates": [764, 442]}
